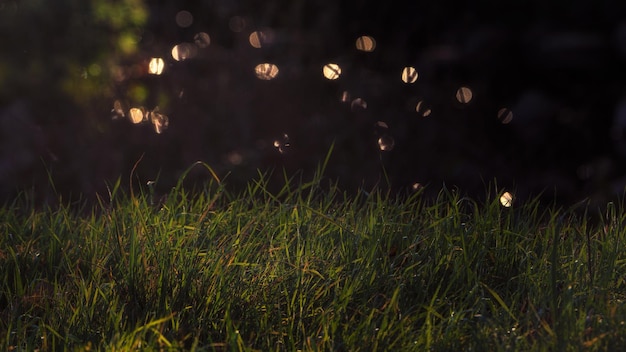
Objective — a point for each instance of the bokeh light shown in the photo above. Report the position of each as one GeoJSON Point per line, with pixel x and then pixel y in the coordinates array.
{"type": "Point", "coordinates": [282, 144]}
{"type": "Point", "coordinates": [505, 115]}
{"type": "Point", "coordinates": [506, 199]}
{"type": "Point", "coordinates": [331, 71]}
{"type": "Point", "coordinates": [136, 115]}
{"type": "Point", "coordinates": [365, 43]}
{"type": "Point", "coordinates": [202, 40]}
{"type": "Point", "coordinates": [464, 95]}
{"type": "Point", "coordinates": [259, 39]}
{"type": "Point", "coordinates": [266, 71]}
{"type": "Point", "coordinates": [386, 143]}
{"type": "Point", "coordinates": [409, 74]}
{"type": "Point", "coordinates": [345, 96]}
{"type": "Point", "coordinates": [184, 51]}
{"type": "Point", "coordinates": [184, 19]}
{"type": "Point", "coordinates": [159, 121]}
{"type": "Point", "coordinates": [422, 109]}
{"type": "Point", "coordinates": [156, 66]}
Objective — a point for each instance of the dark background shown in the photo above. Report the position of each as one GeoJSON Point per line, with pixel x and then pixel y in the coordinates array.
{"type": "Point", "coordinates": [559, 67]}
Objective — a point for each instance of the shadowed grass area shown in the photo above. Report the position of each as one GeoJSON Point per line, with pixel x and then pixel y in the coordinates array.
{"type": "Point", "coordinates": [311, 269]}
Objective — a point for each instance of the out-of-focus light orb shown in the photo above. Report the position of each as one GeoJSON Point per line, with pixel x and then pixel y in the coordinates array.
{"type": "Point", "coordinates": [202, 40]}
{"type": "Point", "coordinates": [386, 143]}
{"type": "Point", "coordinates": [506, 199]}
{"type": "Point", "coordinates": [254, 40]}
{"type": "Point", "coordinates": [365, 43]}
{"type": "Point", "coordinates": [184, 51]}
{"type": "Point", "coordinates": [464, 95]}
{"type": "Point", "coordinates": [156, 66]}
{"type": "Point", "coordinates": [136, 115]}
{"type": "Point", "coordinates": [184, 19]}
{"type": "Point", "coordinates": [259, 39]}
{"type": "Point", "coordinates": [159, 121]}
{"type": "Point", "coordinates": [422, 109]}
{"type": "Point", "coordinates": [409, 74]}
{"type": "Point", "coordinates": [345, 96]}
{"type": "Point", "coordinates": [266, 71]}
{"type": "Point", "coordinates": [282, 144]}
{"type": "Point", "coordinates": [416, 186]}
{"type": "Point", "coordinates": [331, 71]}
{"type": "Point", "coordinates": [505, 115]}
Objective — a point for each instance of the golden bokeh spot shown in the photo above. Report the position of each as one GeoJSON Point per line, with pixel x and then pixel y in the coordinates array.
{"type": "Point", "coordinates": [506, 199]}
{"type": "Point", "coordinates": [259, 39]}
{"type": "Point", "coordinates": [184, 19]}
{"type": "Point", "coordinates": [365, 43]}
{"type": "Point", "coordinates": [202, 40]}
{"type": "Point", "coordinates": [386, 143]}
{"type": "Point", "coordinates": [136, 115]}
{"type": "Point", "coordinates": [464, 95]}
{"type": "Point", "coordinates": [409, 74]}
{"type": "Point", "coordinates": [266, 71]}
{"type": "Point", "coordinates": [345, 96]}
{"type": "Point", "coordinates": [254, 40]}
{"type": "Point", "coordinates": [184, 51]}
{"type": "Point", "coordinates": [416, 186]}
{"type": "Point", "coordinates": [505, 115]}
{"type": "Point", "coordinates": [331, 71]}
{"type": "Point", "coordinates": [156, 66]}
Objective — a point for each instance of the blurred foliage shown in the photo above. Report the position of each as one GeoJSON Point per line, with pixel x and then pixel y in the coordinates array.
{"type": "Point", "coordinates": [66, 48]}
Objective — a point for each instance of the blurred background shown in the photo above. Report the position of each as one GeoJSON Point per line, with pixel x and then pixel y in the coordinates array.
{"type": "Point", "coordinates": [423, 94]}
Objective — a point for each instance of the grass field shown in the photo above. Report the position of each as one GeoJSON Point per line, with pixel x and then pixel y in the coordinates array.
{"type": "Point", "coordinates": [309, 268]}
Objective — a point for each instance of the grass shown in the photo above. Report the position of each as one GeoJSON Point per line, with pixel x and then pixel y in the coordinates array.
{"type": "Point", "coordinates": [309, 268]}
